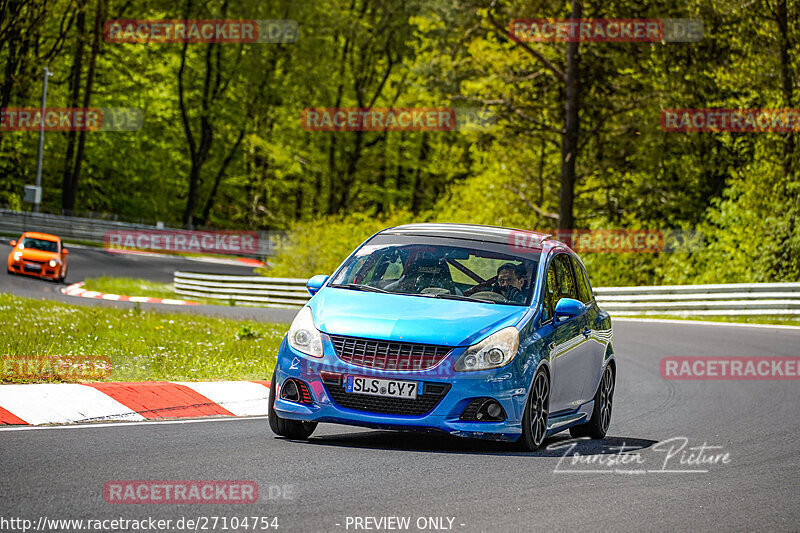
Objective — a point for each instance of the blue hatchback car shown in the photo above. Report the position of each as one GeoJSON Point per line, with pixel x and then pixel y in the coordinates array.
{"type": "Point", "coordinates": [476, 331]}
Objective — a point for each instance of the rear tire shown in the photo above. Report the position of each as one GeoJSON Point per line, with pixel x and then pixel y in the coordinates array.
{"type": "Point", "coordinates": [537, 410]}
{"type": "Point", "coordinates": [291, 429]}
{"type": "Point", "coordinates": [597, 426]}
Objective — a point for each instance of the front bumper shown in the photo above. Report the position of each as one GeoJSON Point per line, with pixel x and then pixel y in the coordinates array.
{"type": "Point", "coordinates": [506, 385]}
{"type": "Point", "coordinates": [29, 268]}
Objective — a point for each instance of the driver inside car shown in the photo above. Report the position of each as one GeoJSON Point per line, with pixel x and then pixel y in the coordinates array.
{"type": "Point", "coordinates": [510, 282]}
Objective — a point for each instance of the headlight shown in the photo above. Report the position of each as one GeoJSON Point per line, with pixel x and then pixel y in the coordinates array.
{"type": "Point", "coordinates": [17, 256]}
{"type": "Point", "coordinates": [52, 263]}
{"type": "Point", "coordinates": [304, 336]}
{"type": "Point", "coordinates": [492, 352]}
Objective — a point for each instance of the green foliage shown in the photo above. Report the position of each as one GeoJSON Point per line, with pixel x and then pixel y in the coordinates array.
{"type": "Point", "coordinates": [334, 189]}
{"type": "Point", "coordinates": [320, 246]}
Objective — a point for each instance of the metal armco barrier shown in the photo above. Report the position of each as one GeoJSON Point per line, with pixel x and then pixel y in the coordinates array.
{"type": "Point", "coordinates": [248, 290]}
{"type": "Point", "coordinates": [722, 299]}
{"type": "Point", "coordinates": [678, 300]}
{"type": "Point", "coordinates": [91, 229]}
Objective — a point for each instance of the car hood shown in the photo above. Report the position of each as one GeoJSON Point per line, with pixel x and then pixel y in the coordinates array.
{"type": "Point", "coordinates": [37, 255]}
{"type": "Point", "coordinates": [409, 318]}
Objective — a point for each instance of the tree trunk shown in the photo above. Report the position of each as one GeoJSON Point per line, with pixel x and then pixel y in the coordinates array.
{"type": "Point", "coordinates": [67, 190]}
{"type": "Point", "coordinates": [569, 144]}
{"type": "Point", "coordinates": [99, 19]}
{"type": "Point", "coordinates": [220, 175]}
{"type": "Point", "coordinates": [787, 84]}
{"type": "Point", "coordinates": [418, 192]}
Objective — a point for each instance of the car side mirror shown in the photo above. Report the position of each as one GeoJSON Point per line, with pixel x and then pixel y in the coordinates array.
{"type": "Point", "coordinates": [65, 251]}
{"type": "Point", "coordinates": [314, 284]}
{"type": "Point", "coordinates": [567, 308]}
{"type": "Point", "coordinates": [12, 243]}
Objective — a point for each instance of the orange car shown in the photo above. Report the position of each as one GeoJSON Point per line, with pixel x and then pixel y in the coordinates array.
{"type": "Point", "coordinates": [38, 254]}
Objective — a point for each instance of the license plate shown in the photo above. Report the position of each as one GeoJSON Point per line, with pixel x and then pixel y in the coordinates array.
{"type": "Point", "coordinates": [30, 266]}
{"type": "Point", "coordinates": [383, 387]}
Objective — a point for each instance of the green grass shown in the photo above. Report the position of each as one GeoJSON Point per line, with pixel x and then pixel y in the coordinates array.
{"type": "Point", "coordinates": [131, 287]}
{"type": "Point", "coordinates": [782, 320]}
{"type": "Point", "coordinates": [141, 345]}
{"type": "Point", "coordinates": [143, 287]}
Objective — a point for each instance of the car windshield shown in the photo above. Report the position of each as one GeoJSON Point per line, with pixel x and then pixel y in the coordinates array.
{"type": "Point", "coordinates": [438, 268]}
{"type": "Point", "coordinates": [39, 244]}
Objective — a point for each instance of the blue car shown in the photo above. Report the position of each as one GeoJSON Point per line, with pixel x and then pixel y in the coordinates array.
{"type": "Point", "coordinates": [475, 331]}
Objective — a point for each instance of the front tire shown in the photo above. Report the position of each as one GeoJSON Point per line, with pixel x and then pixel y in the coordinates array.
{"type": "Point", "coordinates": [537, 409]}
{"type": "Point", "coordinates": [597, 426]}
{"type": "Point", "coordinates": [291, 429]}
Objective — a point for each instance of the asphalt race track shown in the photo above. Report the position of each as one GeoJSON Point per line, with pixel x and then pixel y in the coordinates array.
{"type": "Point", "coordinates": [345, 472]}
{"type": "Point", "coordinates": [86, 262]}
{"type": "Point", "coordinates": [342, 472]}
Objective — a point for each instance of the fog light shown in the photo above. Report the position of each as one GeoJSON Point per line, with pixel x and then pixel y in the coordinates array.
{"type": "Point", "coordinates": [295, 390]}
{"type": "Point", "coordinates": [484, 410]}
{"type": "Point", "coordinates": [290, 391]}
{"type": "Point", "coordinates": [494, 410]}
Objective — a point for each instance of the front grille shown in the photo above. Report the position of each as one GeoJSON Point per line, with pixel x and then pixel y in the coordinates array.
{"type": "Point", "coordinates": [432, 394]}
{"type": "Point", "coordinates": [388, 355]}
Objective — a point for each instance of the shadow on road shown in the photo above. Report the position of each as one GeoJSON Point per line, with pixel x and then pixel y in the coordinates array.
{"type": "Point", "coordinates": [555, 446]}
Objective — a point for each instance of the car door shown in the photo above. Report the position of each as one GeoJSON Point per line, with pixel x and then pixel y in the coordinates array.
{"type": "Point", "coordinates": [568, 357]}
{"type": "Point", "coordinates": [596, 339]}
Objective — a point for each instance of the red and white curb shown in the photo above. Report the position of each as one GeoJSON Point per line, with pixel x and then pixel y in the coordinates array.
{"type": "Point", "coordinates": [76, 289]}
{"type": "Point", "coordinates": [70, 403]}
{"type": "Point", "coordinates": [237, 261]}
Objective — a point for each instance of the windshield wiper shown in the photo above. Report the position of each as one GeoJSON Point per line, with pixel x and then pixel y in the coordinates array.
{"type": "Point", "coordinates": [446, 296]}
{"type": "Point", "coordinates": [359, 287]}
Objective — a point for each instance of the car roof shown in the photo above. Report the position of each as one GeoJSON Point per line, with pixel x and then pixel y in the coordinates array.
{"type": "Point", "coordinates": [472, 232]}
{"type": "Point", "coordinates": [43, 236]}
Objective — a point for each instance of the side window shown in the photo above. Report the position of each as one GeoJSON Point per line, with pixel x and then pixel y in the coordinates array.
{"type": "Point", "coordinates": [550, 288]}
{"type": "Point", "coordinates": [566, 281]}
{"type": "Point", "coordinates": [393, 270]}
{"type": "Point", "coordinates": [584, 289]}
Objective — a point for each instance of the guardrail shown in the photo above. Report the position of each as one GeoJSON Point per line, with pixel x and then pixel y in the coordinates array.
{"type": "Point", "coordinates": [720, 299]}
{"type": "Point", "coordinates": [678, 300]}
{"type": "Point", "coordinates": [91, 229]}
{"type": "Point", "coordinates": [249, 290]}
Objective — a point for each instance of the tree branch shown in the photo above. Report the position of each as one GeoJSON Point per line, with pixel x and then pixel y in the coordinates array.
{"type": "Point", "coordinates": [541, 212]}
{"type": "Point", "coordinates": [557, 73]}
